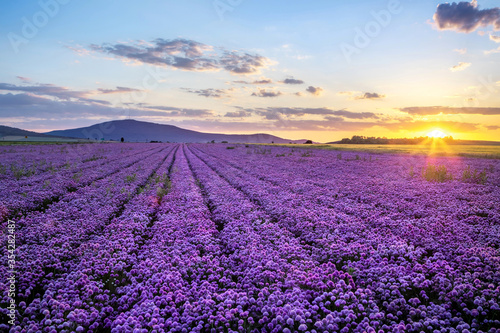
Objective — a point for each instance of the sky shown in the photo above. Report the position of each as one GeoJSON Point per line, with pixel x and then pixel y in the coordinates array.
{"type": "Point", "coordinates": [320, 70]}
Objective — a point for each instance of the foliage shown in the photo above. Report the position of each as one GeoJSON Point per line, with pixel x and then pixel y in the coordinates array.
{"type": "Point", "coordinates": [435, 173]}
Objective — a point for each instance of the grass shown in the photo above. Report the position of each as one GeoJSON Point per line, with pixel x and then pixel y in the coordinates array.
{"type": "Point", "coordinates": [477, 151]}
{"type": "Point", "coordinates": [434, 173]}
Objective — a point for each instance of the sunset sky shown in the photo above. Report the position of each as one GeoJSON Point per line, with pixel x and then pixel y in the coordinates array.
{"type": "Point", "coordinates": [320, 70]}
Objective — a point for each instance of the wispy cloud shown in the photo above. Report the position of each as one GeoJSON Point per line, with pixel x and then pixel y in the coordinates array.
{"type": "Point", "coordinates": [65, 93]}
{"type": "Point", "coordinates": [238, 114]}
{"type": "Point", "coordinates": [267, 93]}
{"type": "Point", "coordinates": [291, 80]}
{"type": "Point", "coordinates": [435, 110]}
{"type": "Point", "coordinates": [497, 50]}
{"type": "Point", "coordinates": [370, 96]}
{"type": "Point", "coordinates": [186, 55]}
{"type": "Point", "coordinates": [46, 89]}
{"type": "Point", "coordinates": [39, 107]}
{"type": "Point", "coordinates": [273, 113]}
{"type": "Point", "coordinates": [348, 93]}
{"type": "Point", "coordinates": [460, 67]}
{"type": "Point", "coordinates": [495, 38]}
{"type": "Point", "coordinates": [492, 127]}
{"type": "Point", "coordinates": [262, 80]}
{"type": "Point", "coordinates": [461, 51]}
{"type": "Point", "coordinates": [210, 92]}
{"type": "Point", "coordinates": [171, 111]}
{"type": "Point", "coordinates": [465, 16]}
{"type": "Point", "coordinates": [24, 79]}
{"type": "Point", "coordinates": [316, 91]}
{"type": "Point", "coordinates": [118, 90]}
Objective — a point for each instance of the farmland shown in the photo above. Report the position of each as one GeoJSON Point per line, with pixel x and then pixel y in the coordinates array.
{"type": "Point", "coordinates": [234, 238]}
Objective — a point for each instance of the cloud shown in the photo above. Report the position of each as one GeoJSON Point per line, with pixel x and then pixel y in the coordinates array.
{"type": "Point", "coordinates": [46, 109]}
{"type": "Point", "coordinates": [210, 92]}
{"type": "Point", "coordinates": [355, 115]}
{"type": "Point", "coordinates": [186, 55]}
{"type": "Point", "coordinates": [79, 50]}
{"type": "Point", "coordinates": [38, 109]}
{"type": "Point", "coordinates": [238, 114]}
{"type": "Point", "coordinates": [316, 91]}
{"type": "Point", "coordinates": [263, 81]}
{"type": "Point", "coordinates": [497, 50]}
{"type": "Point", "coordinates": [260, 81]}
{"type": "Point", "coordinates": [460, 67]}
{"type": "Point", "coordinates": [435, 110]}
{"type": "Point", "coordinates": [447, 126]}
{"type": "Point", "coordinates": [24, 79]}
{"type": "Point", "coordinates": [370, 96]}
{"type": "Point", "coordinates": [267, 93]}
{"type": "Point", "coordinates": [47, 90]}
{"type": "Point", "coordinates": [465, 17]}
{"type": "Point", "coordinates": [172, 111]}
{"type": "Point", "coordinates": [492, 127]}
{"type": "Point", "coordinates": [273, 113]}
{"type": "Point", "coordinates": [292, 81]}
{"type": "Point", "coordinates": [461, 51]}
{"type": "Point", "coordinates": [33, 106]}
{"type": "Point", "coordinates": [494, 38]}
{"type": "Point", "coordinates": [118, 90]}
{"type": "Point", "coordinates": [64, 93]}
{"type": "Point", "coordinates": [348, 93]}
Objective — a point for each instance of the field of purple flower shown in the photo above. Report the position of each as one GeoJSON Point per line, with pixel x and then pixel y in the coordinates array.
{"type": "Point", "coordinates": [219, 238]}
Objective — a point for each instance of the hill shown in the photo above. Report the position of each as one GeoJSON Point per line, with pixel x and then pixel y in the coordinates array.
{"type": "Point", "coordinates": [140, 131]}
{"type": "Point", "coordinates": [12, 131]}
{"type": "Point", "coordinates": [8, 133]}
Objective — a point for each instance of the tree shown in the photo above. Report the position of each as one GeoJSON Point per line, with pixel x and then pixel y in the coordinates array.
{"type": "Point", "coordinates": [122, 139]}
{"type": "Point", "coordinates": [308, 142]}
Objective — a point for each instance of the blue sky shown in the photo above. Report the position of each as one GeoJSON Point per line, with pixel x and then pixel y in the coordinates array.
{"type": "Point", "coordinates": [375, 68]}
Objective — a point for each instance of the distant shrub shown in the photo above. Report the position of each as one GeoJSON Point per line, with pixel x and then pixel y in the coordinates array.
{"type": "Point", "coordinates": [308, 142]}
{"type": "Point", "coordinates": [224, 142]}
{"type": "Point", "coordinates": [20, 172]}
{"type": "Point", "coordinates": [93, 158]}
{"type": "Point", "coordinates": [161, 192]}
{"type": "Point", "coordinates": [307, 154]}
{"type": "Point", "coordinates": [230, 147]}
{"type": "Point", "coordinates": [435, 173]}
{"type": "Point", "coordinates": [474, 176]}
{"type": "Point", "coordinates": [412, 172]}
{"type": "Point", "coordinates": [262, 151]}
{"type": "Point", "coordinates": [131, 178]}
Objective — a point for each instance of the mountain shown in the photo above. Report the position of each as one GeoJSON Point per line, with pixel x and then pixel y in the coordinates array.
{"type": "Point", "coordinates": [140, 131]}
{"type": "Point", "coordinates": [12, 131]}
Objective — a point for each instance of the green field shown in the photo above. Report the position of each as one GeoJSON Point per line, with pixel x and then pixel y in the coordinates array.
{"type": "Point", "coordinates": [478, 151]}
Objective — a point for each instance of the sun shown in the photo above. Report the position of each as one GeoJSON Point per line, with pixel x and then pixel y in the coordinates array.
{"type": "Point", "coordinates": [436, 133]}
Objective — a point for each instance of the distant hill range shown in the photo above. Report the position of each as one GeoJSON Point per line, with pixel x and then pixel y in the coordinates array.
{"type": "Point", "coordinates": [16, 134]}
{"type": "Point", "coordinates": [140, 131]}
